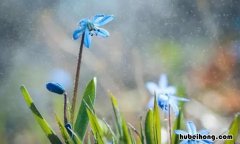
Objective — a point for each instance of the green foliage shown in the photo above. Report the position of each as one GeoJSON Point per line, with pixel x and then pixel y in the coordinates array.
{"type": "Point", "coordinates": [117, 115]}
{"type": "Point", "coordinates": [156, 123]}
{"type": "Point", "coordinates": [96, 129]}
{"type": "Point", "coordinates": [149, 127]}
{"type": "Point", "coordinates": [153, 125]}
{"type": "Point", "coordinates": [142, 132]}
{"type": "Point", "coordinates": [38, 117]}
{"type": "Point", "coordinates": [125, 137]}
{"type": "Point", "coordinates": [178, 124]}
{"type": "Point", "coordinates": [102, 133]}
{"type": "Point", "coordinates": [82, 120]}
{"type": "Point", "coordinates": [234, 129]}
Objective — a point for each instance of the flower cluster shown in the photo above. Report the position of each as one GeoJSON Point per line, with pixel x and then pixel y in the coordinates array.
{"type": "Point", "coordinates": [193, 131]}
{"type": "Point", "coordinates": [166, 96]}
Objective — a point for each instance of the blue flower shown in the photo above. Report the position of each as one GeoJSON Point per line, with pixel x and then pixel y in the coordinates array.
{"type": "Point", "coordinates": [166, 95]}
{"type": "Point", "coordinates": [91, 27]}
{"type": "Point", "coordinates": [193, 131]}
{"type": "Point", "coordinates": [55, 88]}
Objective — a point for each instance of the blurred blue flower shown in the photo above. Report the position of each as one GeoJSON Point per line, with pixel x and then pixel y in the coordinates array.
{"type": "Point", "coordinates": [193, 131]}
{"type": "Point", "coordinates": [55, 88]}
{"type": "Point", "coordinates": [90, 27]}
{"type": "Point", "coordinates": [166, 95]}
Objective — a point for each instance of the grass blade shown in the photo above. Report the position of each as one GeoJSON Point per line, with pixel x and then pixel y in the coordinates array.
{"type": "Point", "coordinates": [82, 120]}
{"type": "Point", "coordinates": [157, 123]}
{"type": "Point", "coordinates": [65, 135]}
{"type": "Point", "coordinates": [127, 139]}
{"type": "Point", "coordinates": [142, 132]}
{"type": "Point", "coordinates": [96, 128]}
{"type": "Point", "coordinates": [149, 134]}
{"type": "Point", "coordinates": [117, 115]}
{"type": "Point", "coordinates": [234, 129]}
{"type": "Point", "coordinates": [53, 138]}
{"type": "Point", "coordinates": [122, 128]}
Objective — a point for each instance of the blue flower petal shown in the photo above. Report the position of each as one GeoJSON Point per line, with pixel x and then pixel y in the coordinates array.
{"type": "Point", "coordinates": [104, 20]}
{"type": "Point", "coordinates": [97, 18]}
{"type": "Point", "coordinates": [180, 99]}
{"type": "Point", "coordinates": [174, 106]}
{"type": "Point", "coordinates": [203, 132]}
{"type": "Point", "coordinates": [77, 33]}
{"type": "Point", "coordinates": [191, 128]}
{"type": "Point", "coordinates": [151, 103]}
{"type": "Point", "coordinates": [163, 82]}
{"type": "Point", "coordinates": [83, 22]}
{"type": "Point", "coordinates": [184, 142]}
{"type": "Point", "coordinates": [87, 38]}
{"type": "Point", "coordinates": [152, 87]}
{"type": "Point", "coordinates": [193, 142]}
{"type": "Point", "coordinates": [171, 90]}
{"type": "Point", "coordinates": [207, 141]}
{"type": "Point", "coordinates": [102, 32]}
{"type": "Point", "coordinates": [180, 132]}
{"type": "Point", "coordinates": [55, 88]}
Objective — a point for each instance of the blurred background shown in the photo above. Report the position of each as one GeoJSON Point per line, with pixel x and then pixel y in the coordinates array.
{"type": "Point", "coordinates": [195, 42]}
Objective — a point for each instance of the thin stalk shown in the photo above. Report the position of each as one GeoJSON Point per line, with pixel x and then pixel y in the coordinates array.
{"type": "Point", "coordinates": [169, 124]}
{"type": "Point", "coordinates": [65, 109]}
{"type": "Point", "coordinates": [74, 98]}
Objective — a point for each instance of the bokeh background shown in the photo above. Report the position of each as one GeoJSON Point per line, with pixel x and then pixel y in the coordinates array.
{"type": "Point", "coordinates": [195, 42]}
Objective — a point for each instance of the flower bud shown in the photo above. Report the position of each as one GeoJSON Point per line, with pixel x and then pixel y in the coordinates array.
{"type": "Point", "coordinates": [55, 88]}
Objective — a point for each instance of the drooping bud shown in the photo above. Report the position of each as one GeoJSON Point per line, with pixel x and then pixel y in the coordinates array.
{"type": "Point", "coordinates": [55, 88]}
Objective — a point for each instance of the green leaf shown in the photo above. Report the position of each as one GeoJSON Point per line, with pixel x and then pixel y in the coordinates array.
{"type": "Point", "coordinates": [82, 120]}
{"type": "Point", "coordinates": [125, 136]}
{"type": "Point", "coordinates": [117, 115]}
{"type": "Point", "coordinates": [126, 139]}
{"type": "Point", "coordinates": [157, 123]}
{"type": "Point", "coordinates": [38, 117]}
{"type": "Point", "coordinates": [234, 129]}
{"type": "Point", "coordinates": [153, 125]}
{"type": "Point", "coordinates": [142, 132]}
{"type": "Point", "coordinates": [178, 124]}
{"type": "Point", "coordinates": [149, 134]}
{"type": "Point", "coordinates": [131, 135]}
{"type": "Point", "coordinates": [108, 132]}
{"type": "Point", "coordinates": [65, 135]}
{"type": "Point", "coordinates": [96, 128]}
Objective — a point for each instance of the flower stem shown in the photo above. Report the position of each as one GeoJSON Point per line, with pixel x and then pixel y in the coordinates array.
{"type": "Point", "coordinates": [76, 80]}
{"type": "Point", "coordinates": [169, 124]}
{"type": "Point", "coordinates": [65, 109]}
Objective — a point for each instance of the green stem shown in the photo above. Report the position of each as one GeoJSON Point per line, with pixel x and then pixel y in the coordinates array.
{"type": "Point", "coordinates": [65, 109]}
{"type": "Point", "coordinates": [169, 124]}
{"type": "Point", "coordinates": [76, 80]}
